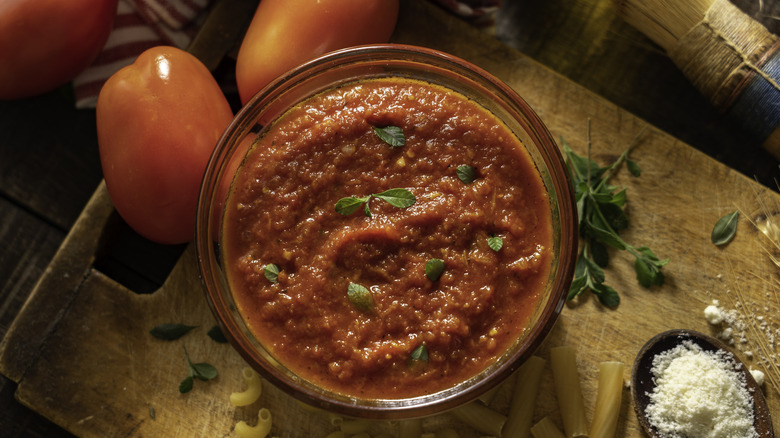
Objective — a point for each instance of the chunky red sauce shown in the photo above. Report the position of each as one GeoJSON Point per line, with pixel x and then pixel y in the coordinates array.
{"type": "Point", "coordinates": [281, 211]}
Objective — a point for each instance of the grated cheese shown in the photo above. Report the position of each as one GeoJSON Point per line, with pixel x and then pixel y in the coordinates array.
{"type": "Point", "coordinates": [698, 394]}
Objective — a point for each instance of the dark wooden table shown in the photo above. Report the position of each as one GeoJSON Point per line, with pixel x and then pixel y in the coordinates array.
{"type": "Point", "coordinates": [49, 164]}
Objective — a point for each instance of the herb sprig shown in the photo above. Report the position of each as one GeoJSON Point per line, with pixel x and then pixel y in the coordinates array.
{"type": "Point", "coordinates": [201, 371]}
{"type": "Point", "coordinates": [601, 216]}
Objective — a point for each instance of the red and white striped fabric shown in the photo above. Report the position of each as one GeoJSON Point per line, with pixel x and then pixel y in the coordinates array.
{"type": "Point", "coordinates": [139, 25]}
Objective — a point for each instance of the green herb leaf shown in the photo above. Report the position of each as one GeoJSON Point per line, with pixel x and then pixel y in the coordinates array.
{"type": "Point", "coordinates": [186, 385]}
{"type": "Point", "coordinates": [349, 205]}
{"type": "Point", "coordinates": [152, 414]}
{"type": "Point", "coordinates": [466, 173]}
{"type": "Point", "coordinates": [392, 135]}
{"type": "Point", "coordinates": [495, 243]}
{"type": "Point", "coordinates": [171, 332]}
{"type": "Point", "coordinates": [360, 297]}
{"type": "Point", "coordinates": [633, 167]}
{"type": "Point", "coordinates": [204, 371]}
{"type": "Point", "coordinates": [420, 354]}
{"type": "Point", "coordinates": [434, 269]}
{"type": "Point", "coordinates": [271, 272]}
{"type": "Point", "coordinates": [725, 229]}
{"type": "Point", "coordinates": [215, 333]}
{"type": "Point", "coordinates": [400, 198]}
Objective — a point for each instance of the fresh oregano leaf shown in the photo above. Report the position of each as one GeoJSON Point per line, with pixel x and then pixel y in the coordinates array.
{"type": "Point", "coordinates": [186, 385]}
{"type": "Point", "coordinates": [349, 205]}
{"type": "Point", "coordinates": [419, 354]}
{"type": "Point", "coordinates": [392, 135]}
{"type": "Point", "coordinates": [216, 335]}
{"type": "Point", "coordinates": [434, 269]}
{"type": "Point", "coordinates": [204, 371]}
{"type": "Point", "coordinates": [495, 243]}
{"type": "Point", "coordinates": [171, 332]}
{"type": "Point", "coordinates": [466, 173]}
{"type": "Point", "coordinates": [360, 297]}
{"type": "Point", "coordinates": [400, 198]}
{"type": "Point", "coordinates": [725, 229]}
{"type": "Point", "coordinates": [271, 272]}
{"type": "Point", "coordinates": [633, 167]}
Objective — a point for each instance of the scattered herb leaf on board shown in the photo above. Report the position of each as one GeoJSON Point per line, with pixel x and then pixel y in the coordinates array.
{"type": "Point", "coordinates": [216, 335]}
{"type": "Point", "coordinates": [171, 332]}
{"type": "Point", "coordinates": [271, 273]}
{"type": "Point", "coordinates": [601, 216]}
{"type": "Point", "coordinates": [360, 297]}
{"type": "Point", "coordinates": [466, 173]}
{"type": "Point", "coordinates": [201, 371]}
{"type": "Point", "coordinates": [434, 269]}
{"type": "Point", "coordinates": [495, 243]}
{"type": "Point", "coordinates": [400, 198]}
{"type": "Point", "coordinates": [392, 135]}
{"type": "Point", "coordinates": [725, 229]}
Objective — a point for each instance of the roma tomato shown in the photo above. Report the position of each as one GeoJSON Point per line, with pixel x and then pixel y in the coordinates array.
{"type": "Point", "coordinates": [46, 43]}
{"type": "Point", "coordinates": [158, 121]}
{"type": "Point", "coordinates": [286, 33]}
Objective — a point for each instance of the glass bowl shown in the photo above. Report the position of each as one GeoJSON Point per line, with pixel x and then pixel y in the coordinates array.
{"type": "Point", "coordinates": [345, 66]}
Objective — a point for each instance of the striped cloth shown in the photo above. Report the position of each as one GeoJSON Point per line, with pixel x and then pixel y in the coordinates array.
{"type": "Point", "coordinates": [139, 25]}
{"type": "Point", "coordinates": [142, 24]}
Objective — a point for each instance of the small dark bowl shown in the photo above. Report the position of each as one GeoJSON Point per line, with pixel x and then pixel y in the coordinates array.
{"type": "Point", "coordinates": [642, 377]}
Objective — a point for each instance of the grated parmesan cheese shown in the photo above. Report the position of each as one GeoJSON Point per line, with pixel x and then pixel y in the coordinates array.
{"type": "Point", "coordinates": [698, 394]}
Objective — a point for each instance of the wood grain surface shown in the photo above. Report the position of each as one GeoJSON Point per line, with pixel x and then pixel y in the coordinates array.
{"type": "Point", "coordinates": [81, 354]}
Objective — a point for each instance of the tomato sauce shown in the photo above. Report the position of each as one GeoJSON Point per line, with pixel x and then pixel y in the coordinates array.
{"type": "Point", "coordinates": [281, 211]}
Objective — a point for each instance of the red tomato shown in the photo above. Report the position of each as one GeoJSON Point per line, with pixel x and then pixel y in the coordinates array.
{"type": "Point", "coordinates": [46, 43]}
{"type": "Point", "coordinates": [286, 33]}
{"type": "Point", "coordinates": [158, 121]}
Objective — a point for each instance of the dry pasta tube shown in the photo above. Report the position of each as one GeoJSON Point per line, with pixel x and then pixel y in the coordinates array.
{"type": "Point", "coordinates": [563, 362]}
{"type": "Point", "coordinates": [481, 418]}
{"type": "Point", "coordinates": [610, 394]}
{"type": "Point", "coordinates": [521, 408]}
{"type": "Point", "coordinates": [410, 428]}
{"type": "Point", "coordinates": [545, 428]}
{"type": "Point", "coordinates": [260, 430]}
{"type": "Point", "coordinates": [253, 389]}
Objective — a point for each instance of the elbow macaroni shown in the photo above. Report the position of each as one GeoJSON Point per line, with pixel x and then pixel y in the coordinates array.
{"type": "Point", "coordinates": [260, 430]}
{"type": "Point", "coordinates": [253, 389]}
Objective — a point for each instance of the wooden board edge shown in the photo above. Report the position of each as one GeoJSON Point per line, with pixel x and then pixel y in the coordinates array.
{"type": "Point", "coordinates": [52, 295]}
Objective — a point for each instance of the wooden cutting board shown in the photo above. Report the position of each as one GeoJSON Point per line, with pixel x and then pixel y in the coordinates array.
{"type": "Point", "coordinates": [82, 355]}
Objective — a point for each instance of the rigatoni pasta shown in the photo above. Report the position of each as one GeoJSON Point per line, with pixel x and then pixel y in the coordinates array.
{"type": "Point", "coordinates": [260, 430]}
{"type": "Point", "coordinates": [608, 399]}
{"type": "Point", "coordinates": [481, 418]}
{"type": "Point", "coordinates": [521, 408]}
{"type": "Point", "coordinates": [253, 389]}
{"type": "Point", "coordinates": [563, 362]}
{"type": "Point", "coordinates": [545, 428]}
